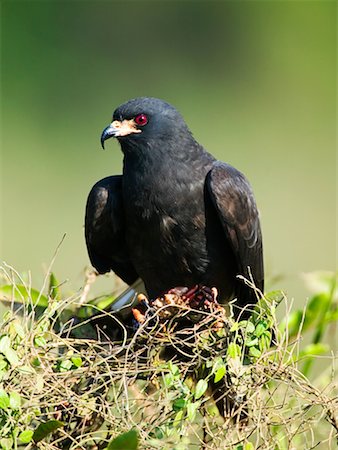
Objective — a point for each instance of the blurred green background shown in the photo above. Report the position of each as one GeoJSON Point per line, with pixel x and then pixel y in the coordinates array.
{"type": "Point", "coordinates": [255, 81]}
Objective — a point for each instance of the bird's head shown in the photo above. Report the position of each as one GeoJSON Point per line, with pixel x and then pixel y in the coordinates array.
{"type": "Point", "coordinates": [145, 120]}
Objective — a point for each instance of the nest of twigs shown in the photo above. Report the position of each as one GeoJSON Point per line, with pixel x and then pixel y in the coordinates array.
{"type": "Point", "coordinates": [187, 379]}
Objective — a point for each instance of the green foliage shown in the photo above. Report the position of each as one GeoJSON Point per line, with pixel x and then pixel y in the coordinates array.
{"type": "Point", "coordinates": [54, 388]}
{"type": "Point", "coordinates": [10, 419]}
{"type": "Point", "coordinates": [46, 428]}
{"type": "Point", "coordinates": [22, 294]}
{"type": "Point", "coordinates": [218, 369]}
{"type": "Point", "coordinates": [54, 290]}
{"type": "Point", "coordinates": [322, 309]}
{"type": "Point", "coordinates": [126, 441]}
{"type": "Point", "coordinates": [23, 344]}
{"type": "Point", "coordinates": [26, 436]}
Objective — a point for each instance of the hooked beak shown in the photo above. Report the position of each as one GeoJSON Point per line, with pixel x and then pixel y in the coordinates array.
{"type": "Point", "coordinates": [107, 133]}
{"type": "Point", "coordinates": [119, 129]}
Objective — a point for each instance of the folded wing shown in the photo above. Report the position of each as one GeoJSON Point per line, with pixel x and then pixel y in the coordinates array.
{"type": "Point", "coordinates": [105, 230]}
{"type": "Point", "coordinates": [234, 201]}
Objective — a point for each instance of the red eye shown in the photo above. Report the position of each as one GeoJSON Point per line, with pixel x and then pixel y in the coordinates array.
{"type": "Point", "coordinates": [141, 120]}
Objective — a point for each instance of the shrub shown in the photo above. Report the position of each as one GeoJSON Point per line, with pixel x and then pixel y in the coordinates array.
{"type": "Point", "coordinates": [60, 389]}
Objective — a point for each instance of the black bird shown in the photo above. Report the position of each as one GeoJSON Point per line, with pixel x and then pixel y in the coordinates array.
{"type": "Point", "coordinates": [176, 216]}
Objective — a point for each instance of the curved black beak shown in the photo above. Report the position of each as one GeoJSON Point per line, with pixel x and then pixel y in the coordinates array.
{"type": "Point", "coordinates": [109, 132]}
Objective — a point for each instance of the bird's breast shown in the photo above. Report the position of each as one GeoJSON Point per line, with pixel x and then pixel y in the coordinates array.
{"type": "Point", "coordinates": [167, 220]}
{"type": "Point", "coordinates": [173, 234]}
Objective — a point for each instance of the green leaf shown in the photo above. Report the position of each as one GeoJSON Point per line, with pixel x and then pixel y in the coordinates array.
{"type": "Point", "coordinates": [77, 361]}
{"type": "Point", "coordinates": [201, 387]}
{"type": "Point", "coordinates": [36, 362]}
{"type": "Point", "coordinates": [159, 433]}
{"type": "Point", "coordinates": [5, 343]}
{"type": "Point", "coordinates": [251, 342]}
{"type": "Point", "coordinates": [266, 305]}
{"type": "Point", "coordinates": [3, 364]}
{"type": "Point", "coordinates": [18, 329]}
{"type": "Point", "coordinates": [274, 297]}
{"type": "Point", "coordinates": [185, 389]}
{"type": "Point", "coordinates": [219, 374]}
{"type": "Point", "coordinates": [255, 352]}
{"type": "Point", "coordinates": [191, 410]}
{"type": "Point", "coordinates": [179, 403]}
{"type": "Point", "coordinates": [318, 303]}
{"type": "Point", "coordinates": [96, 305]}
{"type": "Point", "coordinates": [65, 365]}
{"type": "Point", "coordinates": [174, 369]}
{"type": "Point", "coordinates": [4, 399]}
{"type": "Point", "coordinates": [14, 400]}
{"type": "Point", "coordinates": [6, 443]}
{"type": "Point", "coordinates": [178, 418]}
{"type": "Point", "coordinates": [234, 327]}
{"type": "Point", "coordinates": [12, 357]}
{"type": "Point", "coordinates": [314, 350]}
{"type": "Point", "coordinates": [260, 328]}
{"type": "Point", "coordinates": [46, 428]}
{"type": "Point", "coordinates": [20, 294]}
{"type": "Point", "coordinates": [250, 327]}
{"type": "Point", "coordinates": [316, 310]}
{"type": "Point", "coordinates": [40, 341]}
{"type": "Point", "coordinates": [209, 363]}
{"type": "Point", "coordinates": [265, 341]}
{"type": "Point", "coordinates": [105, 302]}
{"type": "Point", "coordinates": [54, 290]}
{"type": "Point", "coordinates": [168, 380]}
{"type": "Point", "coordinates": [26, 436]}
{"type": "Point", "coordinates": [248, 446]}
{"type": "Point", "coordinates": [7, 351]}
{"type": "Point", "coordinates": [234, 350]}
{"type": "Point", "coordinates": [126, 441]}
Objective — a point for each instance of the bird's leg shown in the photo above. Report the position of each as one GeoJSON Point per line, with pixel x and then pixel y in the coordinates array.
{"type": "Point", "coordinates": [140, 310]}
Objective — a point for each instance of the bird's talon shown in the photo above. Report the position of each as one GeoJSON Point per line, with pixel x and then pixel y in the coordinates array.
{"type": "Point", "coordinates": [138, 315]}
{"type": "Point", "coordinates": [142, 298]}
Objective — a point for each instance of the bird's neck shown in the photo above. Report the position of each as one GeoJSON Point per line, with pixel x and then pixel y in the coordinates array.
{"type": "Point", "coordinates": [157, 157]}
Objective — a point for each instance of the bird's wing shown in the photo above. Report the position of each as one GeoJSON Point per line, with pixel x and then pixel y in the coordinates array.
{"type": "Point", "coordinates": [234, 201]}
{"type": "Point", "coordinates": [105, 230]}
